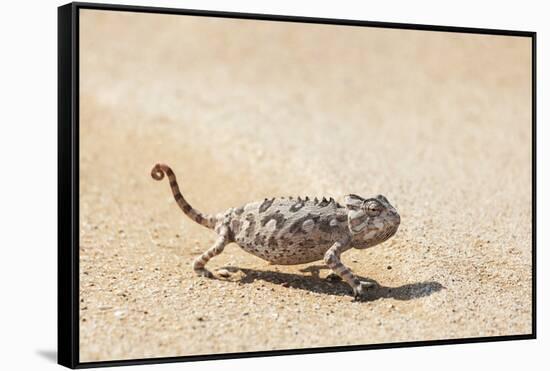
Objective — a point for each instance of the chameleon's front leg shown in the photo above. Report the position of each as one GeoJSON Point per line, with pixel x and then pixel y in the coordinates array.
{"type": "Point", "coordinates": [332, 259]}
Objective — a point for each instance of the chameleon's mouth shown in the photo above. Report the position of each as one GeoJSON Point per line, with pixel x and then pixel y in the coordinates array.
{"type": "Point", "coordinates": [390, 228]}
{"type": "Point", "coordinates": [386, 233]}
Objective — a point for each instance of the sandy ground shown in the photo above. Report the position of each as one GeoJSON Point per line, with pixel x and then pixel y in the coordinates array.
{"type": "Point", "coordinates": [437, 122]}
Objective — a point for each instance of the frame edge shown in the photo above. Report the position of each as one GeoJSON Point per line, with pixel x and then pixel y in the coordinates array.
{"type": "Point", "coordinates": [534, 182]}
{"type": "Point", "coordinates": [68, 270]}
{"type": "Point", "coordinates": [300, 19]}
{"type": "Point", "coordinates": [67, 294]}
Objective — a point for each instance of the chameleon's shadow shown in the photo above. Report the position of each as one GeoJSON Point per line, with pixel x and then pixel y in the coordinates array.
{"type": "Point", "coordinates": [315, 283]}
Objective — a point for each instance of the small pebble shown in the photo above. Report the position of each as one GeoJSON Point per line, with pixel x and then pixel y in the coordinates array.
{"type": "Point", "coordinates": [388, 267]}
{"type": "Point", "coordinates": [120, 313]}
{"type": "Point", "coordinates": [285, 284]}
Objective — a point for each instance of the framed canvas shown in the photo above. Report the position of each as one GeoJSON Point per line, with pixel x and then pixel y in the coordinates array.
{"type": "Point", "coordinates": [241, 185]}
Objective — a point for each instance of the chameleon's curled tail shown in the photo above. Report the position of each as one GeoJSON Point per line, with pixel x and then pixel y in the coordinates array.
{"type": "Point", "coordinates": [158, 172]}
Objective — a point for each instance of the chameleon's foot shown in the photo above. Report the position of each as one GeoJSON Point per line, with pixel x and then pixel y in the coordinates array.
{"type": "Point", "coordinates": [369, 284]}
{"type": "Point", "coordinates": [333, 277]}
{"type": "Point", "coordinates": [203, 272]}
{"type": "Point", "coordinates": [224, 273]}
{"type": "Point", "coordinates": [360, 291]}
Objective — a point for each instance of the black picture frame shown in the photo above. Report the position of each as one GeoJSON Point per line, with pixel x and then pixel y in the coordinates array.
{"type": "Point", "coordinates": [68, 181]}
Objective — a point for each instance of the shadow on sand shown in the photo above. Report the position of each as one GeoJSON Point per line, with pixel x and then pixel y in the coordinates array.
{"type": "Point", "coordinates": [315, 283]}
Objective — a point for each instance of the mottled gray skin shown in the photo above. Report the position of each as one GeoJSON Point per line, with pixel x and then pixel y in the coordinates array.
{"type": "Point", "coordinates": [294, 230]}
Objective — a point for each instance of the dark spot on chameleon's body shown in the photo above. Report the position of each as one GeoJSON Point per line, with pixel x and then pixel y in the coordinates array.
{"type": "Point", "coordinates": [252, 224]}
{"type": "Point", "coordinates": [232, 232]}
{"type": "Point", "coordinates": [272, 242]}
{"type": "Point", "coordinates": [266, 205]}
{"type": "Point", "coordinates": [259, 239]}
{"type": "Point", "coordinates": [297, 206]}
{"type": "Point", "coordinates": [341, 218]}
{"type": "Point", "coordinates": [279, 220]}
{"type": "Point", "coordinates": [324, 242]}
{"type": "Point", "coordinates": [324, 225]}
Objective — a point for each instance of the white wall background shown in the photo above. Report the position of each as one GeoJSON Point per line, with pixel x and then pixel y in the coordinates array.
{"type": "Point", "coordinates": [28, 148]}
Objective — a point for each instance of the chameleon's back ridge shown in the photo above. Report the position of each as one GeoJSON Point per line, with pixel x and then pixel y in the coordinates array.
{"type": "Point", "coordinates": [295, 230]}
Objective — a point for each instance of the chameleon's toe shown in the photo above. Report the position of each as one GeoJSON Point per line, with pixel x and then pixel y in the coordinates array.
{"type": "Point", "coordinates": [360, 291]}
{"type": "Point", "coordinates": [204, 273]}
{"type": "Point", "coordinates": [224, 273]}
{"type": "Point", "coordinates": [369, 284]}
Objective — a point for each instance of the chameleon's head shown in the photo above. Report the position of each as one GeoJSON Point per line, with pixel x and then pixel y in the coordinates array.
{"type": "Point", "coordinates": [371, 220]}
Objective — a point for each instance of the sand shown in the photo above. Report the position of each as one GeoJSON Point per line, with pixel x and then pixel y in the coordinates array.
{"type": "Point", "coordinates": [437, 122]}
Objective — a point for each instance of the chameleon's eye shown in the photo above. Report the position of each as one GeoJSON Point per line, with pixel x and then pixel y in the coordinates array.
{"type": "Point", "coordinates": [373, 207]}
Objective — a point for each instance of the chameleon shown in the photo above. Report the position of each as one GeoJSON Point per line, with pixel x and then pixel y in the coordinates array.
{"type": "Point", "coordinates": [295, 230]}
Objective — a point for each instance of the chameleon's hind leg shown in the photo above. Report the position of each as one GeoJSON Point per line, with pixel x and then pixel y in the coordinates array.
{"type": "Point", "coordinates": [216, 249]}
{"type": "Point", "coordinates": [332, 259]}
